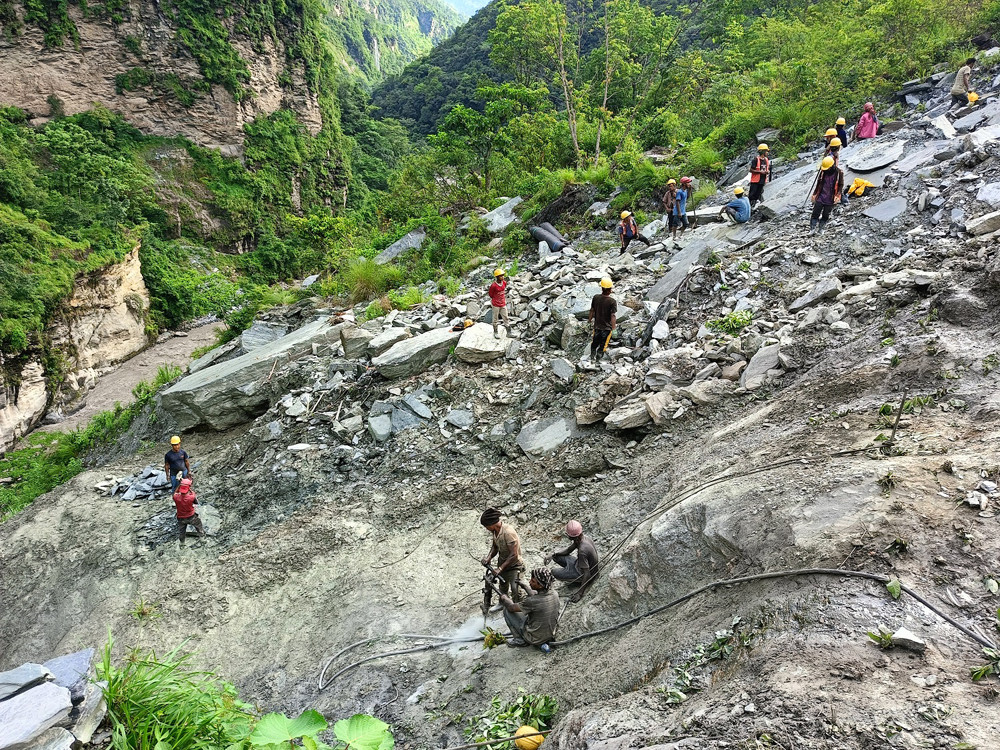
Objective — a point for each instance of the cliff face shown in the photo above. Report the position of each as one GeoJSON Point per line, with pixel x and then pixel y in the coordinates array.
{"type": "Point", "coordinates": [141, 67]}
{"type": "Point", "coordinates": [99, 326]}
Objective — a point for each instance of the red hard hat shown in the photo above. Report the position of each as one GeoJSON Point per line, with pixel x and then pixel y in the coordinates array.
{"type": "Point", "coordinates": [686, 180]}
{"type": "Point", "coordinates": [574, 529]}
{"type": "Point", "coordinates": [185, 482]}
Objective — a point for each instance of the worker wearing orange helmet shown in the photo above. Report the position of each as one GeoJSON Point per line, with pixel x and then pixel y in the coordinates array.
{"type": "Point", "coordinates": [580, 569]}
{"type": "Point", "coordinates": [827, 193]}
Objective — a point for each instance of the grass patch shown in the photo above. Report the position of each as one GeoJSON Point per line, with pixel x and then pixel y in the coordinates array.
{"type": "Point", "coordinates": [732, 323]}
{"type": "Point", "coordinates": [406, 299]}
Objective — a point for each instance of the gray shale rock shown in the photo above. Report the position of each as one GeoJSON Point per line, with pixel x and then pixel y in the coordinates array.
{"type": "Point", "coordinates": [477, 344]}
{"type": "Point", "coordinates": [24, 676]}
{"type": "Point", "coordinates": [824, 290]}
{"type": "Point", "coordinates": [765, 359]}
{"type": "Point", "coordinates": [73, 671]}
{"type": "Point", "coordinates": [416, 354]}
{"type": "Point", "coordinates": [385, 340]}
{"type": "Point", "coordinates": [25, 716]}
{"type": "Point", "coordinates": [628, 416]}
{"type": "Point", "coordinates": [355, 341]}
{"type": "Point", "coordinates": [545, 435]}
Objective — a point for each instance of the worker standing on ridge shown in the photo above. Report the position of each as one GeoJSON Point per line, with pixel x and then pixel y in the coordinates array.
{"type": "Point", "coordinates": [628, 230]}
{"type": "Point", "coordinates": [738, 209]}
{"type": "Point", "coordinates": [498, 300]}
{"type": "Point", "coordinates": [535, 619]}
{"type": "Point", "coordinates": [680, 209]}
{"type": "Point", "coordinates": [867, 126]}
{"type": "Point", "coordinates": [829, 188]}
{"type": "Point", "coordinates": [175, 463]}
{"type": "Point", "coordinates": [184, 501]}
{"type": "Point", "coordinates": [604, 316]}
{"type": "Point", "coordinates": [962, 87]}
{"type": "Point", "coordinates": [842, 130]}
{"type": "Point", "coordinates": [507, 549]}
{"type": "Point", "coordinates": [580, 569]}
{"type": "Point", "coordinates": [760, 173]}
{"type": "Point", "coordinates": [670, 202]}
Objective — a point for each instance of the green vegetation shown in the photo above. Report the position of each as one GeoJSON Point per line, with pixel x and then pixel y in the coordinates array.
{"type": "Point", "coordinates": [503, 719]}
{"type": "Point", "coordinates": [732, 323]}
{"type": "Point", "coordinates": [156, 703]}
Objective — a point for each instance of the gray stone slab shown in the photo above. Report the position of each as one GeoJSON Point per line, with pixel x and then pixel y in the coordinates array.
{"type": "Point", "coordinates": [628, 416]}
{"type": "Point", "coordinates": [825, 289]}
{"type": "Point", "coordinates": [355, 341]}
{"type": "Point", "coordinates": [872, 154]}
{"type": "Point", "coordinates": [887, 210]}
{"type": "Point", "coordinates": [380, 427]}
{"type": "Point", "coordinates": [981, 137]}
{"type": "Point", "coordinates": [211, 357]}
{"type": "Point", "coordinates": [478, 344]}
{"type": "Point", "coordinates": [262, 333]}
{"type": "Point", "coordinates": [460, 418]}
{"type": "Point", "coordinates": [943, 124]}
{"type": "Point", "coordinates": [418, 407]}
{"type": "Point", "coordinates": [500, 218]}
{"type": "Point", "coordinates": [765, 359]}
{"type": "Point", "coordinates": [89, 714]}
{"type": "Point", "coordinates": [990, 193]}
{"type": "Point", "coordinates": [410, 241]}
{"type": "Point", "coordinates": [72, 671]}
{"type": "Point", "coordinates": [385, 340]}
{"type": "Point", "coordinates": [55, 738]}
{"type": "Point", "coordinates": [925, 155]}
{"type": "Point", "coordinates": [546, 435]}
{"type": "Point", "coordinates": [231, 393]}
{"type": "Point", "coordinates": [788, 192]}
{"type": "Point", "coordinates": [576, 302]}
{"type": "Point", "coordinates": [983, 224]}
{"type": "Point", "coordinates": [25, 716]}
{"type": "Point", "coordinates": [404, 419]}
{"type": "Point", "coordinates": [876, 178]}
{"type": "Point", "coordinates": [563, 369]}
{"type": "Point", "coordinates": [414, 355]}
{"type": "Point", "coordinates": [696, 252]}
{"type": "Point", "coordinates": [24, 676]}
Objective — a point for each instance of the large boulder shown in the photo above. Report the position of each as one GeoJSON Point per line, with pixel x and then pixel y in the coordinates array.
{"type": "Point", "coordinates": [477, 344]}
{"type": "Point", "coordinates": [28, 714]}
{"type": "Point", "coordinates": [355, 341]}
{"type": "Point", "coordinates": [765, 359]}
{"type": "Point", "coordinates": [696, 252]}
{"type": "Point", "coordinates": [231, 393]}
{"type": "Point", "coordinates": [384, 341]}
{"type": "Point", "coordinates": [500, 218]}
{"type": "Point", "coordinates": [24, 676]}
{"type": "Point", "coordinates": [411, 241]}
{"type": "Point", "coordinates": [788, 192]}
{"type": "Point", "coordinates": [262, 333]}
{"type": "Point", "coordinates": [887, 210]}
{"type": "Point", "coordinates": [545, 435]}
{"type": "Point", "coordinates": [872, 154]}
{"type": "Point", "coordinates": [825, 289]}
{"type": "Point", "coordinates": [414, 355]}
{"type": "Point", "coordinates": [73, 671]}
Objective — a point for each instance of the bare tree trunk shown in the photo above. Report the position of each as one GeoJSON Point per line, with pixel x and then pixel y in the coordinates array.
{"type": "Point", "coordinates": [607, 82]}
{"type": "Point", "coordinates": [567, 88]}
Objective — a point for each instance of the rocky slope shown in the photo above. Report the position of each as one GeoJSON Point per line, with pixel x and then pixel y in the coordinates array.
{"type": "Point", "coordinates": [345, 465]}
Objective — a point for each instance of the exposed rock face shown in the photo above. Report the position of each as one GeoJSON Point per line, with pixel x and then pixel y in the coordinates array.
{"type": "Point", "coordinates": [102, 324]}
{"type": "Point", "coordinates": [22, 404]}
{"type": "Point", "coordinates": [82, 75]}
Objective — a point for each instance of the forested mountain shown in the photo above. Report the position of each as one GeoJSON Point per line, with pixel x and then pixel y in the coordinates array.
{"type": "Point", "coordinates": [376, 38]}
{"type": "Point", "coordinates": [467, 8]}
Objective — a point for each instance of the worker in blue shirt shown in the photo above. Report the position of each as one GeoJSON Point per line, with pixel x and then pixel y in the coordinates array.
{"type": "Point", "coordinates": [738, 209]}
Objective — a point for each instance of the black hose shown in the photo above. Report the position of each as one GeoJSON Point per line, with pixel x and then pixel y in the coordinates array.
{"type": "Point", "coordinates": [415, 650]}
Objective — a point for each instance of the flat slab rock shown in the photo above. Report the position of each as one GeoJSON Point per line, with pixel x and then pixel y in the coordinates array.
{"type": "Point", "coordinates": [546, 435]}
{"type": "Point", "coordinates": [887, 210]}
{"type": "Point", "coordinates": [628, 416]}
{"type": "Point", "coordinates": [22, 677]}
{"type": "Point", "coordinates": [72, 671]}
{"type": "Point", "coordinates": [825, 289]}
{"type": "Point", "coordinates": [410, 241]}
{"type": "Point", "coordinates": [872, 154]}
{"type": "Point", "coordinates": [414, 355]}
{"type": "Point", "coordinates": [697, 251]}
{"type": "Point", "coordinates": [56, 738]}
{"type": "Point", "coordinates": [478, 344]}
{"type": "Point", "coordinates": [788, 192]}
{"type": "Point", "coordinates": [500, 218]}
{"type": "Point", "coordinates": [765, 359]}
{"type": "Point", "coordinates": [27, 715]}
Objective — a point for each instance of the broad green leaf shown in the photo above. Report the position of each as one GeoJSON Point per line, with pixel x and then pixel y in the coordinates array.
{"type": "Point", "coordinates": [278, 728]}
{"type": "Point", "coordinates": [895, 588]}
{"type": "Point", "coordinates": [363, 732]}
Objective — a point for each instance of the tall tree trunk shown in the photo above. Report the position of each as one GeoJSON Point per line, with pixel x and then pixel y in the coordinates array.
{"type": "Point", "coordinates": [567, 87]}
{"type": "Point", "coordinates": [607, 82]}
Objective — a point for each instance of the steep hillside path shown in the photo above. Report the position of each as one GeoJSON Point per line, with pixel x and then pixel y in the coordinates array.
{"type": "Point", "coordinates": [117, 385]}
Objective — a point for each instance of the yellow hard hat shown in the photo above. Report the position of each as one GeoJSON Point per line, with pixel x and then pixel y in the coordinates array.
{"type": "Point", "coordinates": [827, 162]}
{"type": "Point", "coordinates": [175, 440]}
{"type": "Point", "coordinates": [468, 322]}
{"type": "Point", "coordinates": [830, 132]}
{"type": "Point", "coordinates": [671, 182]}
{"type": "Point", "coordinates": [605, 283]}
{"type": "Point", "coordinates": [738, 191]}
{"type": "Point", "coordinates": [835, 142]}
{"type": "Point", "coordinates": [763, 147]}
{"type": "Point", "coordinates": [841, 121]}
{"type": "Point", "coordinates": [626, 214]}
{"type": "Point", "coordinates": [498, 272]}
{"type": "Point", "coordinates": [973, 97]}
{"type": "Point", "coordinates": [530, 742]}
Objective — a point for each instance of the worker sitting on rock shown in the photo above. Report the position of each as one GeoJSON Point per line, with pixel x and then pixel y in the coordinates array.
{"type": "Point", "coordinates": [580, 569]}
{"type": "Point", "coordinates": [628, 230]}
{"type": "Point", "coordinates": [760, 173]}
{"type": "Point", "coordinates": [535, 619]}
{"type": "Point", "coordinates": [604, 316]}
{"type": "Point", "coordinates": [738, 209]}
{"type": "Point", "coordinates": [184, 501]}
{"type": "Point", "coordinates": [507, 549]}
{"type": "Point", "coordinates": [498, 300]}
{"type": "Point", "coordinates": [175, 463]}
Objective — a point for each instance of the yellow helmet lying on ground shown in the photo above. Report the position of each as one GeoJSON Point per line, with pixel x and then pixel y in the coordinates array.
{"type": "Point", "coordinates": [626, 214]}
{"type": "Point", "coordinates": [835, 143]}
{"type": "Point", "coordinates": [498, 272]}
{"type": "Point", "coordinates": [175, 440]}
{"type": "Point", "coordinates": [830, 132]}
{"type": "Point", "coordinates": [530, 742]}
{"type": "Point", "coordinates": [763, 147]}
{"type": "Point", "coordinates": [605, 283]}
{"type": "Point", "coordinates": [841, 121]}
{"type": "Point", "coordinates": [973, 97]}
{"type": "Point", "coordinates": [859, 186]}
{"type": "Point", "coordinates": [827, 162]}
{"type": "Point", "coordinates": [737, 191]}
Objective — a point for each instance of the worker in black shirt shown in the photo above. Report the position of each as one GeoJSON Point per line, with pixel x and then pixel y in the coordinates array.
{"type": "Point", "coordinates": [603, 309]}
{"type": "Point", "coordinates": [175, 463]}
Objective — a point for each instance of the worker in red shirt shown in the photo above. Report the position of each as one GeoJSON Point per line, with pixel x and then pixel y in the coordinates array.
{"type": "Point", "coordinates": [185, 500]}
{"type": "Point", "coordinates": [498, 300]}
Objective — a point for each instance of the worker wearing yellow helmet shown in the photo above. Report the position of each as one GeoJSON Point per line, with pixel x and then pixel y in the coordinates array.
{"type": "Point", "coordinates": [175, 463]}
{"type": "Point", "coordinates": [962, 88]}
{"type": "Point", "coordinates": [498, 301]}
{"type": "Point", "coordinates": [628, 230]}
{"type": "Point", "coordinates": [760, 173]}
{"type": "Point", "coordinates": [738, 209]}
{"type": "Point", "coordinates": [604, 316]}
{"type": "Point", "coordinates": [827, 193]}
{"type": "Point", "coordinates": [834, 151]}
{"type": "Point", "coordinates": [829, 135]}
{"type": "Point", "coordinates": [842, 130]}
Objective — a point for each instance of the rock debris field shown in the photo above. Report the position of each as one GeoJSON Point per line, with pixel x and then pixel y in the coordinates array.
{"type": "Point", "coordinates": [770, 401]}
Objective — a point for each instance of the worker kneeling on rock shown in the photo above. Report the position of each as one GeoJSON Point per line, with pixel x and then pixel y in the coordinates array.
{"type": "Point", "coordinates": [507, 549]}
{"type": "Point", "coordinates": [580, 569]}
{"type": "Point", "coordinates": [534, 620]}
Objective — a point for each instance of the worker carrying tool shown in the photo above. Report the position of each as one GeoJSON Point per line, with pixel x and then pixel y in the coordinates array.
{"type": "Point", "coordinates": [581, 569]}
{"type": "Point", "coordinates": [506, 548]}
{"type": "Point", "coordinates": [535, 619]}
{"type": "Point", "coordinates": [604, 316]}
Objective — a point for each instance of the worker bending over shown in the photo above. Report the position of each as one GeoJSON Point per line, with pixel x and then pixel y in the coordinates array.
{"type": "Point", "coordinates": [507, 549]}
{"type": "Point", "coordinates": [580, 569]}
{"type": "Point", "coordinates": [534, 620]}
